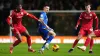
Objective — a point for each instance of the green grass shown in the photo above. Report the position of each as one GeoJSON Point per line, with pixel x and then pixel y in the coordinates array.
{"type": "Point", "coordinates": [21, 50]}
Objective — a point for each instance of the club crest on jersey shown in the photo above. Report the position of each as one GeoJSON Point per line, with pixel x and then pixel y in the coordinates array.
{"type": "Point", "coordinates": [21, 13]}
{"type": "Point", "coordinates": [90, 14]}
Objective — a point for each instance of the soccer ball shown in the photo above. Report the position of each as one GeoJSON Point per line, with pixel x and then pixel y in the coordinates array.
{"type": "Point", "coordinates": [55, 47]}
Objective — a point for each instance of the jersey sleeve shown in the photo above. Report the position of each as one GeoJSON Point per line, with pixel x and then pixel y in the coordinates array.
{"type": "Point", "coordinates": [10, 17]}
{"type": "Point", "coordinates": [11, 14]}
{"type": "Point", "coordinates": [25, 13]}
{"type": "Point", "coordinates": [78, 22]}
{"type": "Point", "coordinates": [30, 15]}
{"type": "Point", "coordinates": [96, 20]}
{"type": "Point", "coordinates": [81, 16]}
{"type": "Point", "coordinates": [41, 16]}
{"type": "Point", "coordinates": [95, 16]}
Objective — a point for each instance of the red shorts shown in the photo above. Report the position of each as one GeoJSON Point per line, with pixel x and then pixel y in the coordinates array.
{"type": "Point", "coordinates": [97, 33]}
{"type": "Point", "coordinates": [85, 31]}
{"type": "Point", "coordinates": [19, 29]}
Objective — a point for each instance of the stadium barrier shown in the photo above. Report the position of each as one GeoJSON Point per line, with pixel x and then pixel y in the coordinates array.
{"type": "Point", "coordinates": [38, 39]}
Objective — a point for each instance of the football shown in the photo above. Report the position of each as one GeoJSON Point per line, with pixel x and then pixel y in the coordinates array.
{"type": "Point", "coordinates": [55, 47]}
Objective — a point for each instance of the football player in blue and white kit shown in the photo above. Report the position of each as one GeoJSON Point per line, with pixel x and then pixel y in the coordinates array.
{"type": "Point", "coordinates": [45, 31]}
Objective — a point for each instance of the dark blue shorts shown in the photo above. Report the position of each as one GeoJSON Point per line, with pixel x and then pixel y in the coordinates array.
{"type": "Point", "coordinates": [44, 33]}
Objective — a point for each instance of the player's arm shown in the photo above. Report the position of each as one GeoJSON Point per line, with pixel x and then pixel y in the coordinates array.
{"type": "Point", "coordinates": [30, 15]}
{"type": "Point", "coordinates": [78, 22]}
{"type": "Point", "coordinates": [41, 20]}
{"type": "Point", "coordinates": [96, 21]}
{"type": "Point", "coordinates": [9, 18]}
{"type": "Point", "coordinates": [33, 17]}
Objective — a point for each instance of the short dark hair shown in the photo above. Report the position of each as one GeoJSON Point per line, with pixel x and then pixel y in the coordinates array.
{"type": "Point", "coordinates": [17, 4]}
{"type": "Point", "coordinates": [87, 4]}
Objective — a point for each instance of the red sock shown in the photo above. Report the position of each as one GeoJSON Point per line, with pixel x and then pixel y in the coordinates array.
{"type": "Point", "coordinates": [91, 43]}
{"type": "Point", "coordinates": [29, 41]}
{"type": "Point", "coordinates": [75, 43]}
{"type": "Point", "coordinates": [87, 41]}
{"type": "Point", "coordinates": [16, 43]}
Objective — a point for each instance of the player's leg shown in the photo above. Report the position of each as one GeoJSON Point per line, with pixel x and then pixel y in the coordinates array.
{"type": "Point", "coordinates": [48, 36]}
{"type": "Point", "coordinates": [28, 41]}
{"type": "Point", "coordinates": [75, 43]}
{"type": "Point", "coordinates": [51, 35]}
{"type": "Point", "coordinates": [44, 34]}
{"type": "Point", "coordinates": [91, 46]}
{"type": "Point", "coordinates": [88, 41]}
{"type": "Point", "coordinates": [81, 33]}
{"type": "Point", "coordinates": [96, 33]}
{"type": "Point", "coordinates": [18, 36]}
{"type": "Point", "coordinates": [83, 48]}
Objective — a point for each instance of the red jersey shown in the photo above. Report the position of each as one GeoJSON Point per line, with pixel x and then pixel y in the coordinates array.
{"type": "Point", "coordinates": [17, 17]}
{"type": "Point", "coordinates": [87, 20]}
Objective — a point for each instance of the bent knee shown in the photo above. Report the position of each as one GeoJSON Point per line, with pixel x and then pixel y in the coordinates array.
{"type": "Point", "coordinates": [52, 33]}
{"type": "Point", "coordinates": [20, 40]}
{"type": "Point", "coordinates": [79, 37]}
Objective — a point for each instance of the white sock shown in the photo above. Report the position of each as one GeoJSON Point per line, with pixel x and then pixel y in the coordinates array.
{"type": "Point", "coordinates": [29, 47]}
{"type": "Point", "coordinates": [42, 48]}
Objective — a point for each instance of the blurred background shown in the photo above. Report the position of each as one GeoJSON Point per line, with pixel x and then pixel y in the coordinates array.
{"type": "Point", "coordinates": [62, 23]}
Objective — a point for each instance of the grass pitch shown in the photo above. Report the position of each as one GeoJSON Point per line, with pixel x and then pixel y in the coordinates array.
{"type": "Point", "coordinates": [21, 50]}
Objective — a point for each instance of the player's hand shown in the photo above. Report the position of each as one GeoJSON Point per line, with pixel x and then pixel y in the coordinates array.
{"type": "Point", "coordinates": [50, 29]}
{"type": "Point", "coordinates": [39, 20]}
{"type": "Point", "coordinates": [11, 26]}
{"type": "Point", "coordinates": [76, 27]}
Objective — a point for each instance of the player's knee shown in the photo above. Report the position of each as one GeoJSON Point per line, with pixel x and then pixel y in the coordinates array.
{"type": "Point", "coordinates": [20, 40]}
{"type": "Point", "coordinates": [52, 33]}
{"type": "Point", "coordinates": [18, 37]}
{"type": "Point", "coordinates": [27, 36]}
{"type": "Point", "coordinates": [89, 36]}
{"type": "Point", "coordinates": [78, 38]}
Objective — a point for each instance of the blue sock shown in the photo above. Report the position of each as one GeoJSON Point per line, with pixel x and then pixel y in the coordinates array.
{"type": "Point", "coordinates": [50, 38]}
{"type": "Point", "coordinates": [48, 41]}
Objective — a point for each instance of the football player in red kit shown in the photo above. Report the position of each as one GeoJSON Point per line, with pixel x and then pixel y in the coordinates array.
{"type": "Point", "coordinates": [95, 33]}
{"type": "Point", "coordinates": [18, 28]}
{"type": "Point", "coordinates": [86, 18]}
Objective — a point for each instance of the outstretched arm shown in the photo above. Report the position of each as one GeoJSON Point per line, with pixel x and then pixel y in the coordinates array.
{"type": "Point", "coordinates": [96, 21]}
{"type": "Point", "coordinates": [32, 16]}
{"type": "Point", "coordinates": [78, 22]}
{"type": "Point", "coordinates": [9, 18]}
